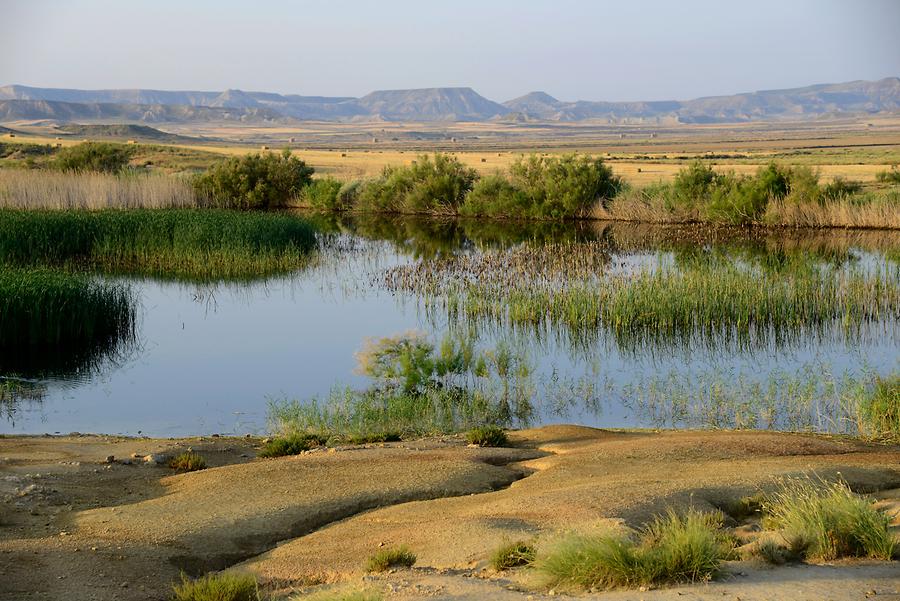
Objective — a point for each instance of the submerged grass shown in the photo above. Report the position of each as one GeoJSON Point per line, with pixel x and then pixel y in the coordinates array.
{"type": "Point", "coordinates": [672, 549]}
{"type": "Point", "coordinates": [826, 521]}
{"type": "Point", "coordinates": [176, 243]}
{"type": "Point", "coordinates": [53, 322]}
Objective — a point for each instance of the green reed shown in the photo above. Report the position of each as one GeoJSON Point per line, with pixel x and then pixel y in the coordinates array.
{"type": "Point", "coordinates": [174, 243]}
{"type": "Point", "coordinates": [53, 322]}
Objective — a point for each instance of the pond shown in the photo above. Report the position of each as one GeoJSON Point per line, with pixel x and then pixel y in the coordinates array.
{"type": "Point", "coordinates": [210, 358]}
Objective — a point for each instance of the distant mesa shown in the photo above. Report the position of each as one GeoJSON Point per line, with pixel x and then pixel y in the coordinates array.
{"type": "Point", "coordinates": [437, 104]}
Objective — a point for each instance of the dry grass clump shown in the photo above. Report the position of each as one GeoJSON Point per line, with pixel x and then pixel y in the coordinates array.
{"type": "Point", "coordinates": [513, 555]}
{"type": "Point", "coordinates": [33, 189]}
{"type": "Point", "coordinates": [671, 549]}
{"type": "Point", "coordinates": [340, 595]}
{"type": "Point", "coordinates": [391, 557]}
{"type": "Point", "coordinates": [826, 521]}
{"type": "Point", "coordinates": [223, 586]}
{"type": "Point", "coordinates": [187, 462]}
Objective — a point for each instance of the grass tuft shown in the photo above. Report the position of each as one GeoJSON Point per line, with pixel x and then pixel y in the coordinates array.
{"type": "Point", "coordinates": [487, 436]}
{"type": "Point", "coordinates": [217, 587]}
{"type": "Point", "coordinates": [187, 462]}
{"type": "Point", "coordinates": [292, 444]}
{"type": "Point", "coordinates": [672, 549]}
{"type": "Point", "coordinates": [826, 521]}
{"type": "Point", "coordinates": [880, 411]}
{"type": "Point", "coordinates": [391, 558]}
{"type": "Point", "coordinates": [513, 555]}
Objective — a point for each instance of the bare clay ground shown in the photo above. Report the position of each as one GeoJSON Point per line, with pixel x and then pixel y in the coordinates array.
{"type": "Point", "coordinates": [89, 531]}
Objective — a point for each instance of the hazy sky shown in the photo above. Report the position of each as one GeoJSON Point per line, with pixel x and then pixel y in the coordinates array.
{"type": "Point", "coordinates": [592, 50]}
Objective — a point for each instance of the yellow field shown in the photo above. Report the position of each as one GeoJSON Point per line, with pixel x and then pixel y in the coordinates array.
{"type": "Point", "coordinates": [851, 148]}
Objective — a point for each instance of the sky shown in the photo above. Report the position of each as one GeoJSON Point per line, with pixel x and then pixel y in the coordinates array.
{"type": "Point", "coordinates": [573, 50]}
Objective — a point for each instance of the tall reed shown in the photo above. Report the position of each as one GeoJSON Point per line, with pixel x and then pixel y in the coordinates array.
{"type": "Point", "coordinates": [53, 322]}
{"type": "Point", "coordinates": [177, 243]}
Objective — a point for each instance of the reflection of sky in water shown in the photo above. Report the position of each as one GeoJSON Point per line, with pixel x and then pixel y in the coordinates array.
{"type": "Point", "coordinates": [209, 360]}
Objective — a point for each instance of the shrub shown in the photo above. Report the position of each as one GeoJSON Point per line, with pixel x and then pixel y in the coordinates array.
{"type": "Point", "coordinates": [672, 549]}
{"type": "Point", "coordinates": [775, 180]}
{"type": "Point", "coordinates": [187, 462]}
{"type": "Point", "coordinates": [323, 194]}
{"type": "Point", "coordinates": [828, 521]}
{"type": "Point", "coordinates": [889, 177]}
{"type": "Point", "coordinates": [371, 437]}
{"type": "Point", "coordinates": [496, 196]}
{"type": "Point", "coordinates": [218, 587]}
{"type": "Point", "coordinates": [487, 436]}
{"type": "Point", "coordinates": [562, 187]}
{"type": "Point", "coordinates": [391, 558]}
{"type": "Point", "coordinates": [93, 156]}
{"type": "Point", "coordinates": [693, 185]}
{"type": "Point", "coordinates": [737, 200]}
{"type": "Point", "coordinates": [430, 185]}
{"type": "Point", "coordinates": [513, 555]}
{"type": "Point", "coordinates": [840, 189]}
{"type": "Point", "coordinates": [254, 181]}
{"type": "Point", "coordinates": [292, 444]}
{"type": "Point", "coordinates": [880, 411]}
{"type": "Point", "coordinates": [348, 195]}
{"type": "Point", "coordinates": [804, 186]}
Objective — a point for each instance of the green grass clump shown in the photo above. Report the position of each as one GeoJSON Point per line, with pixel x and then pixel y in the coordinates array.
{"type": "Point", "coordinates": [487, 436]}
{"type": "Point", "coordinates": [340, 595]}
{"type": "Point", "coordinates": [826, 521]}
{"type": "Point", "coordinates": [880, 410]}
{"type": "Point", "coordinates": [672, 549]}
{"type": "Point", "coordinates": [291, 444]}
{"type": "Point", "coordinates": [391, 557]}
{"type": "Point", "coordinates": [57, 323]}
{"type": "Point", "coordinates": [193, 244]}
{"type": "Point", "coordinates": [513, 555]}
{"type": "Point", "coordinates": [889, 177]}
{"type": "Point", "coordinates": [224, 586]}
{"type": "Point", "coordinates": [187, 462]}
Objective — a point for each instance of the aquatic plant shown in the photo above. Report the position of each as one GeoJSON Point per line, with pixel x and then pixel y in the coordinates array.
{"type": "Point", "coordinates": [880, 409]}
{"type": "Point", "coordinates": [60, 323]}
{"type": "Point", "coordinates": [177, 243]}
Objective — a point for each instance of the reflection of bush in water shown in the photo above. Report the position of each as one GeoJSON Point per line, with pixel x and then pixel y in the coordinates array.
{"type": "Point", "coordinates": [54, 323]}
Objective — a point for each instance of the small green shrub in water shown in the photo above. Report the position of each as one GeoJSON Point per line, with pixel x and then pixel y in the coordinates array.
{"type": "Point", "coordinates": [93, 156]}
{"type": "Point", "coordinates": [254, 181]}
{"type": "Point", "coordinates": [672, 549]}
{"type": "Point", "coordinates": [392, 557]}
{"type": "Point", "coordinates": [826, 521]}
{"type": "Point", "coordinates": [487, 436]}
{"type": "Point", "coordinates": [187, 462]}
{"type": "Point", "coordinates": [513, 555]}
{"type": "Point", "coordinates": [223, 586]}
{"type": "Point", "coordinates": [291, 444]}
{"type": "Point", "coordinates": [323, 194]}
{"type": "Point", "coordinates": [880, 410]}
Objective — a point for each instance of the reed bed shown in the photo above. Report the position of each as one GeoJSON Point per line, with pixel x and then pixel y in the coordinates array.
{"type": "Point", "coordinates": [174, 243]}
{"type": "Point", "coordinates": [717, 300]}
{"type": "Point", "coordinates": [52, 322]}
{"type": "Point", "coordinates": [43, 189]}
{"type": "Point", "coordinates": [880, 212]}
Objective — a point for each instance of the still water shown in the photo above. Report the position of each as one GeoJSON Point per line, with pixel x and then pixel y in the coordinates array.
{"type": "Point", "coordinates": [209, 358]}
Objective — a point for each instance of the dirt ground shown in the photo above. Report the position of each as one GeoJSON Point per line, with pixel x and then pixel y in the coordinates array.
{"type": "Point", "coordinates": [74, 526]}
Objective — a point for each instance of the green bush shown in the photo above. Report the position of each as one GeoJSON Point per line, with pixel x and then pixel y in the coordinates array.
{"type": "Point", "coordinates": [93, 156]}
{"type": "Point", "coordinates": [323, 194]}
{"type": "Point", "coordinates": [775, 180]}
{"type": "Point", "coordinates": [804, 185]}
{"type": "Point", "coordinates": [391, 558]}
{"type": "Point", "coordinates": [563, 187]}
{"type": "Point", "coordinates": [217, 587]}
{"type": "Point", "coordinates": [187, 462]}
{"type": "Point", "coordinates": [880, 411]}
{"type": "Point", "coordinates": [828, 521]}
{"type": "Point", "coordinates": [496, 196]}
{"type": "Point", "coordinates": [737, 200]}
{"type": "Point", "coordinates": [693, 185]}
{"type": "Point", "coordinates": [435, 185]}
{"type": "Point", "coordinates": [292, 444]}
{"type": "Point", "coordinates": [672, 549]}
{"type": "Point", "coordinates": [840, 189]}
{"type": "Point", "coordinates": [487, 436]}
{"type": "Point", "coordinates": [889, 177]}
{"type": "Point", "coordinates": [513, 555]}
{"type": "Point", "coordinates": [254, 181]}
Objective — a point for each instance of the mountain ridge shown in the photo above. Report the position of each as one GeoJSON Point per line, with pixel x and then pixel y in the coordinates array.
{"type": "Point", "coordinates": [19, 102]}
